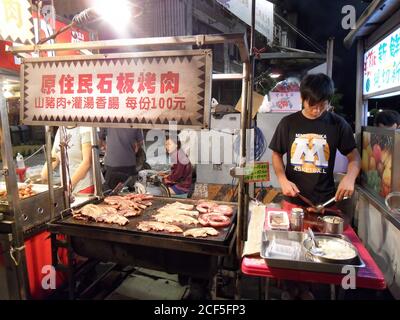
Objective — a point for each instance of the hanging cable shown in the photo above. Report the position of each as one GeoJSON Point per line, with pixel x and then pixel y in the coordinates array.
{"type": "Point", "coordinates": [308, 39]}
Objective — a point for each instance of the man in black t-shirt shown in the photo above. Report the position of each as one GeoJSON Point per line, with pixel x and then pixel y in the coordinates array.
{"type": "Point", "coordinates": [310, 139]}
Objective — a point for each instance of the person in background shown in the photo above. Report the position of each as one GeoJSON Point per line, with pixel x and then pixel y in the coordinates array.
{"type": "Point", "coordinates": [389, 119]}
{"type": "Point", "coordinates": [121, 147]}
{"type": "Point", "coordinates": [179, 181]}
{"type": "Point", "coordinates": [79, 153]}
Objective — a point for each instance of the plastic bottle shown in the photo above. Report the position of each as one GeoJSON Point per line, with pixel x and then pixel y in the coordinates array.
{"type": "Point", "coordinates": [20, 161]}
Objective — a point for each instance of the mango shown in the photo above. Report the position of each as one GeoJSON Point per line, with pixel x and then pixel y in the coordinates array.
{"type": "Point", "coordinates": [372, 164]}
{"type": "Point", "coordinates": [388, 161]}
{"type": "Point", "coordinates": [365, 161]}
{"type": "Point", "coordinates": [369, 151]}
{"type": "Point", "coordinates": [387, 176]}
{"type": "Point", "coordinates": [366, 139]}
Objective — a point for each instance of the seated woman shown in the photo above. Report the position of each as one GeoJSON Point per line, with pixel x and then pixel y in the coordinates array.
{"type": "Point", "coordinates": [179, 181]}
{"type": "Point", "coordinates": [80, 158]}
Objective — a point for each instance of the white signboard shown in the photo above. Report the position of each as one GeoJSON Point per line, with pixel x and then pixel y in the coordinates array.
{"type": "Point", "coordinates": [382, 66]}
{"type": "Point", "coordinates": [285, 101]}
{"type": "Point", "coordinates": [144, 90]}
{"type": "Point", "coordinates": [264, 14]}
{"type": "Point", "coordinates": [16, 21]}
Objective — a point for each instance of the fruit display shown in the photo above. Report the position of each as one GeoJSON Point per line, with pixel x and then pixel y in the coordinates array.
{"type": "Point", "coordinates": [376, 162]}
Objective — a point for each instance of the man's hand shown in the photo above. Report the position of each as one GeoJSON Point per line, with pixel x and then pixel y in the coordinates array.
{"type": "Point", "coordinates": [346, 186]}
{"type": "Point", "coordinates": [288, 188]}
{"type": "Point", "coordinates": [345, 189]}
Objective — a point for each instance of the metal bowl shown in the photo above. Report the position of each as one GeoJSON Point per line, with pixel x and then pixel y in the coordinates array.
{"type": "Point", "coordinates": [345, 252]}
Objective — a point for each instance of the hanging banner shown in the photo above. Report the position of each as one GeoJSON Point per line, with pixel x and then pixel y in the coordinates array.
{"type": "Point", "coordinates": [264, 14]}
{"type": "Point", "coordinates": [382, 66]}
{"type": "Point", "coordinates": [16, 21]}
{"type": "Point", "coordinates": [143, 90]}
{"type": "Point", "coordinates": [10, 62]}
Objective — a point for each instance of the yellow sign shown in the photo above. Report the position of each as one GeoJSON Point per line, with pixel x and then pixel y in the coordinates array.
{"type": "Point", "coordinates": [257, 172]}
{"type": "Point", "coordinates": [16, 21]}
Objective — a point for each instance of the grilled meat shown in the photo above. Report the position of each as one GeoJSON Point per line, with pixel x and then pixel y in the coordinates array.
{"type": "Point", "coordinates": [158, 226]}
{"type": "Point", "coordinates": [201, 232]}
{"type": "Point", "coordinates": [214, 220]}
{"type": "Point", "coordinates": [133, 196]}
{"type": "Point", "coordinates": [175, 218]}
{"type": "Point", "coordinates": [101, 213]}
{"type": "Point", "coordinates": [206, 206]}
{"type": "Point", "coordinates": [169, 210]}
{"type": "Point", "coordinates": [179, 205]}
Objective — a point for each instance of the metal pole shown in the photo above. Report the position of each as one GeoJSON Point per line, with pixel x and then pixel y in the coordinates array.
{"type": "Point", "coordinates": [242, 192]}
{"type": "Point", "coordinates": [250, 87]}
{"type": "Point", "coordinates": [64, 164]}
{"type": "Point", "coordinates": [329, 56]}
{"type": "Point", "coordinates": [252, 62]}
{"type": "Point", "coordinates": [50, 180]}
{"type": "Point", "coordinates": [361, 105]}
{"type": "Point", "coordinates": [17, 251]}
{"type": "Point", "coordinates": [96, 163]}
{"type": "Point", "coordinates": [237, 39]}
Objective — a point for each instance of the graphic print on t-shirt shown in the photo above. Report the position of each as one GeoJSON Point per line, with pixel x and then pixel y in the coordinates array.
{"type": "Point", "coordinates": [310, 153]}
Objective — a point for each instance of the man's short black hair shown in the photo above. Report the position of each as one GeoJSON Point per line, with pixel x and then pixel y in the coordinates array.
{"type": "Point", "coordinates": [316, 88]}
{"type": "Point", "coordinates": [387, 118]}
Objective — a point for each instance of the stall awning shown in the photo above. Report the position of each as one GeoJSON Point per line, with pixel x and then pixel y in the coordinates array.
{"type": "Point", "coordinates": [372, 18]}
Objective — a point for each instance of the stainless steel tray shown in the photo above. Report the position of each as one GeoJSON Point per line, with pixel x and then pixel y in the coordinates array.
{"type": "Point", "coordinates": [298, 259]}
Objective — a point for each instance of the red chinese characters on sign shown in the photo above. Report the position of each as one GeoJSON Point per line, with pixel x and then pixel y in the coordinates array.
{"type": "Point", "coordinates": [84, 90]}
{"type": "Point", "coordinates": [105, 82]}
{"type": "Point", "coordinates": [131, 103]}
{"type": "Point", "coordinates": [147, 81]}
{"type": "Point", "coordinates": [170, 82]}
{"type": "Point", "coordinates": [48, 84]}
{"type": "Point", "coordinates": [85, 83]}
{"type": "Point", "coordinates": [66, 84]}
{"type": "Point", "coordinates": [370, 62]}
{"type": "Point", "coordinates": [88, 103]}
{"type": "Point", "coordinates": [125, 82]}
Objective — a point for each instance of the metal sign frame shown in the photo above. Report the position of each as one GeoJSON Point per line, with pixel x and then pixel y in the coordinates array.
{"type": "Point", "coordinates": [149, 124]}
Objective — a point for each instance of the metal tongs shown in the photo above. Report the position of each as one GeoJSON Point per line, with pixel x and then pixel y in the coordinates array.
{"type": "Point", "coordinates": [318, 208]}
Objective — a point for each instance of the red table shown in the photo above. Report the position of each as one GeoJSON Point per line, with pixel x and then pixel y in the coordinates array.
{"type": "Point", "coordinates": [369, 277]}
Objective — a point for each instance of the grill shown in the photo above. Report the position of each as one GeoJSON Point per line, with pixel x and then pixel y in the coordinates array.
{"type": "Point", "coordinates": [129, 234]}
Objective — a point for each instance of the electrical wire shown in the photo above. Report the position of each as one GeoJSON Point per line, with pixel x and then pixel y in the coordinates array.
{"type": "Point", "coordinates": [308, 39]}
{"type": "Point", "coordinates": [260, 145]}
{"type": "Point", "coordinates": [35, 153]}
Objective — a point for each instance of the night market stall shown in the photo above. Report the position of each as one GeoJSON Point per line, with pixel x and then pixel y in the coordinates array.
{"type": "Point", "coordinates": [163, 90]}
{"type": "Point", "coordinates": [377, 35]}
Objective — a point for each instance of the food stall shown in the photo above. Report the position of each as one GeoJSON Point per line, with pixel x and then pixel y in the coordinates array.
{"type": "Point", "coordinates": [376, 35]}
{"type": "Point", "coordinates": [26, 205]}
{"type": "Point", "coordinates": [131, 228]}
{"type": "Point", "coordinates": [279, 249]}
